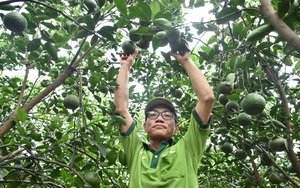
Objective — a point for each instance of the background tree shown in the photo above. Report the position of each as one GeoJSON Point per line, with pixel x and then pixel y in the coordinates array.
{"type": "Point", "coordinates": [71, 48]}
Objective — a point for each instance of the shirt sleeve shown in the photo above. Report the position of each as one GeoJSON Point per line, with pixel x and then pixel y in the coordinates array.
{"type": "Point", "coordinates": [130, 142]}
{"type": "Point", "coordinates": [196, 136]}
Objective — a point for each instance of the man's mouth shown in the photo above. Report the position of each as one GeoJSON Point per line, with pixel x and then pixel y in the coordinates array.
{"type": "Point", "coordinates": [159, 126]}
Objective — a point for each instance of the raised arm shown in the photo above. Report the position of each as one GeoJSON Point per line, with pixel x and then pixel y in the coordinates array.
{"type": "Point", "coordinates": [121, 94]}
{"type": "Point", "coordinates": [201, 86]}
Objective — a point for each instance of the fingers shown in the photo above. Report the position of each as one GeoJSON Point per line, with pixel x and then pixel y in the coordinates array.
{"type": "Point", "coordinates": [131, 56]}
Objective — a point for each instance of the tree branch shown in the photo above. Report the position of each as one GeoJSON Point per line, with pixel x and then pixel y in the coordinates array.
{"type": "Point", "coordinates": [289, 35]}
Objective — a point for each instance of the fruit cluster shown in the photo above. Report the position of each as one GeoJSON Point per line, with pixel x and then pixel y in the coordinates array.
{"type": "Point", "coordinates": [172, 36]}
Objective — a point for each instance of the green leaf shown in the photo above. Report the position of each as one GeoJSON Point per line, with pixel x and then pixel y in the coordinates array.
{"type": "Point", "coordinates": [51, 49]}
{"type": "Point", "coordinates": [33, 45]}
{"type": "Point", "coordinates": [230, 78]}
{"type": "Point", "coordinates": [228, 14]}
{"type": "Point", "coordinates": [61, 37]}
{"type": "Point", "coordinates": [199, 3]}
{"type": "Point", "coordinates": [107, 32]}
{"type": "Point", "coordinates": [89, 115]}
{"type": "Point", "coordinates": [155, 8]}
{"type": "Point", "coordinates": [121, 6]}
{"type": "Point", "coordinates": [21, 114]}
{"type": "Point", "coordinates": [156, 43]}
{"type": "Point", "coordinates": [137, 12]}
{"type": "Point", "coordinates": [166, 56]}
{"type": "Point", "coordinates": [288, 61]}
{"type": "Point", "coordinates": [163, 23]}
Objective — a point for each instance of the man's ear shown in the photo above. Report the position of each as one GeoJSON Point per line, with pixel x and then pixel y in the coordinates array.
{"type": "Point", "coordinates": [176, 128]}
{"type": "Point", "coordinates": [144, 125]}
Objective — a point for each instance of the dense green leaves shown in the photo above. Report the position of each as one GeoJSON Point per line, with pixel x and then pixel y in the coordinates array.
{"type": "Point", "coordinates": [48, 144]}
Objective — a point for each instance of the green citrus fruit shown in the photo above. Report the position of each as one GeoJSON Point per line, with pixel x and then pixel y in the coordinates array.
{"type": "Point", "coordinates": [253, 104]}
{"type": "Point", "coordinates": [275, 179]}
{"type": "Point", "coordinates": [244, 119]}
{"type": "Point", "coordinates": [92, 178]}
{"type": "Point", "coordinates": [134, 36]}
{"type": "Point", "coordinates": [173, 35]}
{"type": "Point", "coordinates": [147, 38]}
{"type": "Point", "coordinates": [232, 106]}
{"type": "Point", "coordinates": [161, 34]}
{"type": "Point", "coordinates": [143, 44]}
{"type": "Point", "coordinates": [225, 88]}
{"type": "Point", "coordinates": [240, 154]}
{"type": "Point", "coordinates": [223, 99]}
{"type": "Point", "coordinates": [277, 144]}
{"type": "Point", "coordinates": [15, 22]}
{"type": "Point", "coordinates": [44, 83]}
{"type": "Point", "coordinates": [128, 46]}
{"type": "Point", "coordinates": [91, 4]}
{"type": "Point", "coordinates": [178, 93]}
{"type": "Point", "coordinates": [71, 102]}
{"type": "Point", "coordinates": [221, 130]}
{"type": "Point", "coordinates": [176, 45]}
{"type": "Point", "coordinates": [227, 147]}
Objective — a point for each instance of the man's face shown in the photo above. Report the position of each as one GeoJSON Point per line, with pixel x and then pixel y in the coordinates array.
{"type": "Point", "coordinates": [160, 128]}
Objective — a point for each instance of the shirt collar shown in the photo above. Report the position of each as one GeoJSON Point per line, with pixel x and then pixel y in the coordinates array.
{"type": "Point", "coordinates": [170, 142]}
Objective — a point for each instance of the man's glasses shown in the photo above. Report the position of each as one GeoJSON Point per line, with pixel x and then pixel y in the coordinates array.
{"type": "Point", "coordinates": [165, 115]}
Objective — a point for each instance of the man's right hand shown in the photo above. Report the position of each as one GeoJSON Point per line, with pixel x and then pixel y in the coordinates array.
{"type": "Point", "coordinates": [129, 60]}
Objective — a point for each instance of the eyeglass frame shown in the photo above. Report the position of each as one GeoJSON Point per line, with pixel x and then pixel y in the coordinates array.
{"type": "Point", "coordinates": [161, 114]}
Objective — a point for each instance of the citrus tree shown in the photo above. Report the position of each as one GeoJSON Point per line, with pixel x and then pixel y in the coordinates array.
{"type": "Point", "coordinates": [59, 61]}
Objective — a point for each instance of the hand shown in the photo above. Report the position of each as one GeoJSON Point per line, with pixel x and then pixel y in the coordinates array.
{"type": "Point", "coordinates": [182, 56]}
{"type": "Point", "coordinates": [129, 60]}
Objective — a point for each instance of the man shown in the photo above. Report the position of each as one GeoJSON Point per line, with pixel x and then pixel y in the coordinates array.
{"type": "Point", "coordinates": [163, 162]}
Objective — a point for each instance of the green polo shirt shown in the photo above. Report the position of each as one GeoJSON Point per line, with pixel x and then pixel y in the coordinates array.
{"type": "Point", "coordinates": [172, 165]}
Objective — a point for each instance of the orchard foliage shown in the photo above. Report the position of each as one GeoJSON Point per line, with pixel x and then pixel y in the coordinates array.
{"type": "Point", "coordinates": [72, 48]}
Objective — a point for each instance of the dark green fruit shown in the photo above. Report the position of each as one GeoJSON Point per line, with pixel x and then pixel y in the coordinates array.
{"type": "Point", "coordinates": [134, 36]}
{"type": "Point", "coordinates": [232, 106]}
{"type": "Point", "coordinates": [161, 34]}
{"type": "Point", "coordinates": [44, 83]}
{"type": "Point", "coordinates": [253, 103]}
{"type": "Point", "coordinates": [15, 22]}
{"type": "Point", "coordinates": [178, 93]}
{"type": "Point", "coordinates": [244, 119]}
{"type": "Point", "coordinates": [240, 154]}
{"type": "Point", "coordinates": [71, 102]}
{"type": "Point", "coordinates": [92, 178]}
{"type": "Point", "coordinates": [225, 88]}
{"type": "Point", "coordinates": [275, 179]}
{"type": "Point", "coordinates": [277, 144]}
{"type": "Point", "coordinates": [173, 35]}
{"type": "Point", "coordinates": [128, 46]}
{"type": "Point", "coordinates": [221, 130]}
{"type": "Point", "coordinates": [147, 38]}
{"type": "Point", "coordinates": [143, 44]}
{"type": "Point", "coordinates": [91, 5]}
{"type": "Point", "coordinates": [227, 147]}
{"type": "Point", "coordinates": [223, 99]}
{"type": "Point", "coordinates": [176, 45]}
